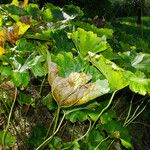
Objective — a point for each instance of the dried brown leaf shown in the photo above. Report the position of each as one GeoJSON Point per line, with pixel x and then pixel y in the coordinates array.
{"type": "Point", "coordinates": [74, 89]}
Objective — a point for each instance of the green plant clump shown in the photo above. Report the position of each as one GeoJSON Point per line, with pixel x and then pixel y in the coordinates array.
{"type": "Point", "coordinates": [59, 81]}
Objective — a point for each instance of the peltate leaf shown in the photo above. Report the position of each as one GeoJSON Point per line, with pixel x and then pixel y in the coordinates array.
{"type": "Point", "coordinates": [139, 84]}
{"type": "Point", "coordinates": [113, 73]}
{"type": "Point", "coordinates": [99, 31]}
{"type": "Point", "coordinates": [22, 45]}
{"type": "Point", "coordinates": [116, 129]}
{"type": "Point", "coordinates": [68, 64]}
{"type": "Point", "coordinates": [33, 10]}
{"type": "Point", "coordinates": [88, 41]}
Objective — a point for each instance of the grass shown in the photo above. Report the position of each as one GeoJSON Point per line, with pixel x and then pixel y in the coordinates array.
{"type": "Point", "coordinates": [138, 32]}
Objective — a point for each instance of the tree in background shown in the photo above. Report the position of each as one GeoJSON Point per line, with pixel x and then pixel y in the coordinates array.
{"type": "Point", "coordinates": [106, 8]}
{"type": "Point", "coordinates": [138, 6]}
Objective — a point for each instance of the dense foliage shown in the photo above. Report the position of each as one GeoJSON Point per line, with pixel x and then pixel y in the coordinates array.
{"type": "Point", "coordinates": [86, 66]}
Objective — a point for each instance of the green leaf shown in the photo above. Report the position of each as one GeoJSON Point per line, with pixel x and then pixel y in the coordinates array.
{"type": "Point", "coordinates": [68, 64]}
{"type": "Point", "coordinates": [20, 78]}
{"type": "Point", "coordinates": [73, 10]}
{"type": "Point", "coordinates": [126, 144]}
{"type": "Point", "coordinates": [95, 137]}
{"type": "Point", "coordinates": [25, 99]}
{"type": "Point", "coordinates": [47, 15]}
{"type": "Point", "coordinates": [99, 31]}
{"type": "Point", "coordinates": [15, 2]}
{"type": "Point", "coordinates": [77, 115]}
{"type": "Point", "coordinates": [139, 84]}
{"type": "Point", "coordinates": [61, 42]}
{"type": "Point", "coordinates": [31, 61]}
{"type": "Point", "coordinates": [141, 62]}
{"type": "Point", "coordinates": [35, 63]}
{"type": "Point", "coordinates": [107, 116]}
{"type": "Point", "coordinates": [37, 137]}
{"type": "Point", "coordinates": [22, 45]}
{"type": "Point", "coordinates": [14, 10]}
{"type": "Point", "coordinates": [39, 69]}
{"type": "Point", "coordinates": [116, 130]}
{"type": "Point", "coordinates": [5, 71]}
{"type": "Point", "coordinates": [74, 145]}
{"type": "Point", "coordinates": [49, 102]}
{"type": "Point", "coordinates": [33, 10]}
{"type": "Point", "coordinates": [94, 114]}
{"type": "Point", "coordinates": [113, 73]}
{"type": "Point", "coordinates": [89, 110]}
{"type": "Point", "coordinates": [44, 35]}
{"type": "Point", "coordinates": [96, 74]}
{"type": "Point", "coordinates": [9, 139]}
{"type": "Point", "coordinates": [52, 13]}
{"type": "Point", "coordinates": [87, 42]}
{"type": "Point", "coordinates": [56, 143]}
{"type": "Point", "coordinates": [132, 61]}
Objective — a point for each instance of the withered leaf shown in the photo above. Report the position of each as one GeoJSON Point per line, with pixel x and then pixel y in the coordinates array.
{"type": "Point", "coordinates": [2, 37]}
{"type": "Point", "coordinates": [2, 51]}
{"type": "Point", "coordinates": [26, 19]}
{"type": "Point", "coordinates": [76, 89]}
{"type": "Point", "coordinates": [14, 32]}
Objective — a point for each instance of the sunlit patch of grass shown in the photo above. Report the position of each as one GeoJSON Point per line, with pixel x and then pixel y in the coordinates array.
{"type": "Point", "coordinates": [129, 26]}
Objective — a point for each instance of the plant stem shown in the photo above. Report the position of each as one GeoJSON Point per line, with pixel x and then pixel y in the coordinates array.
{"type": "Point", "coordinates": [9, 117]}
{"type": "Point", "coordinates": [57, 114]}
{"type": "Point", "coordinates": [110, 144]}
{"type": "Point", "coordinates": [129, 112]}
{"type": "Point", "coordinates": [135, 116]}
{"type": "Point", "coordinates": [41, 87]}
{"type": "Point", "coordinates": [49, 128]}
{"type": "Point", "coordinates": [56, 119]}
{"type": "Point", "coordinates": [104, 109]}
{"type": "Point", "coordinates": [101, 142]}
{"type": "Point", "coordinates": [49, 139]}
{"type": "Point", "coordinates": [85, 133]}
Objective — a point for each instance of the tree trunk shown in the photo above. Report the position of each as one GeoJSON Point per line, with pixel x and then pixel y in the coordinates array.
{"type": "Point", "coordinates": [139, 16]}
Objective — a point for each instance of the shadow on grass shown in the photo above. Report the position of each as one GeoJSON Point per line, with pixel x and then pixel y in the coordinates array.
{"type": "Point", "coordinates": [133, 31]}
